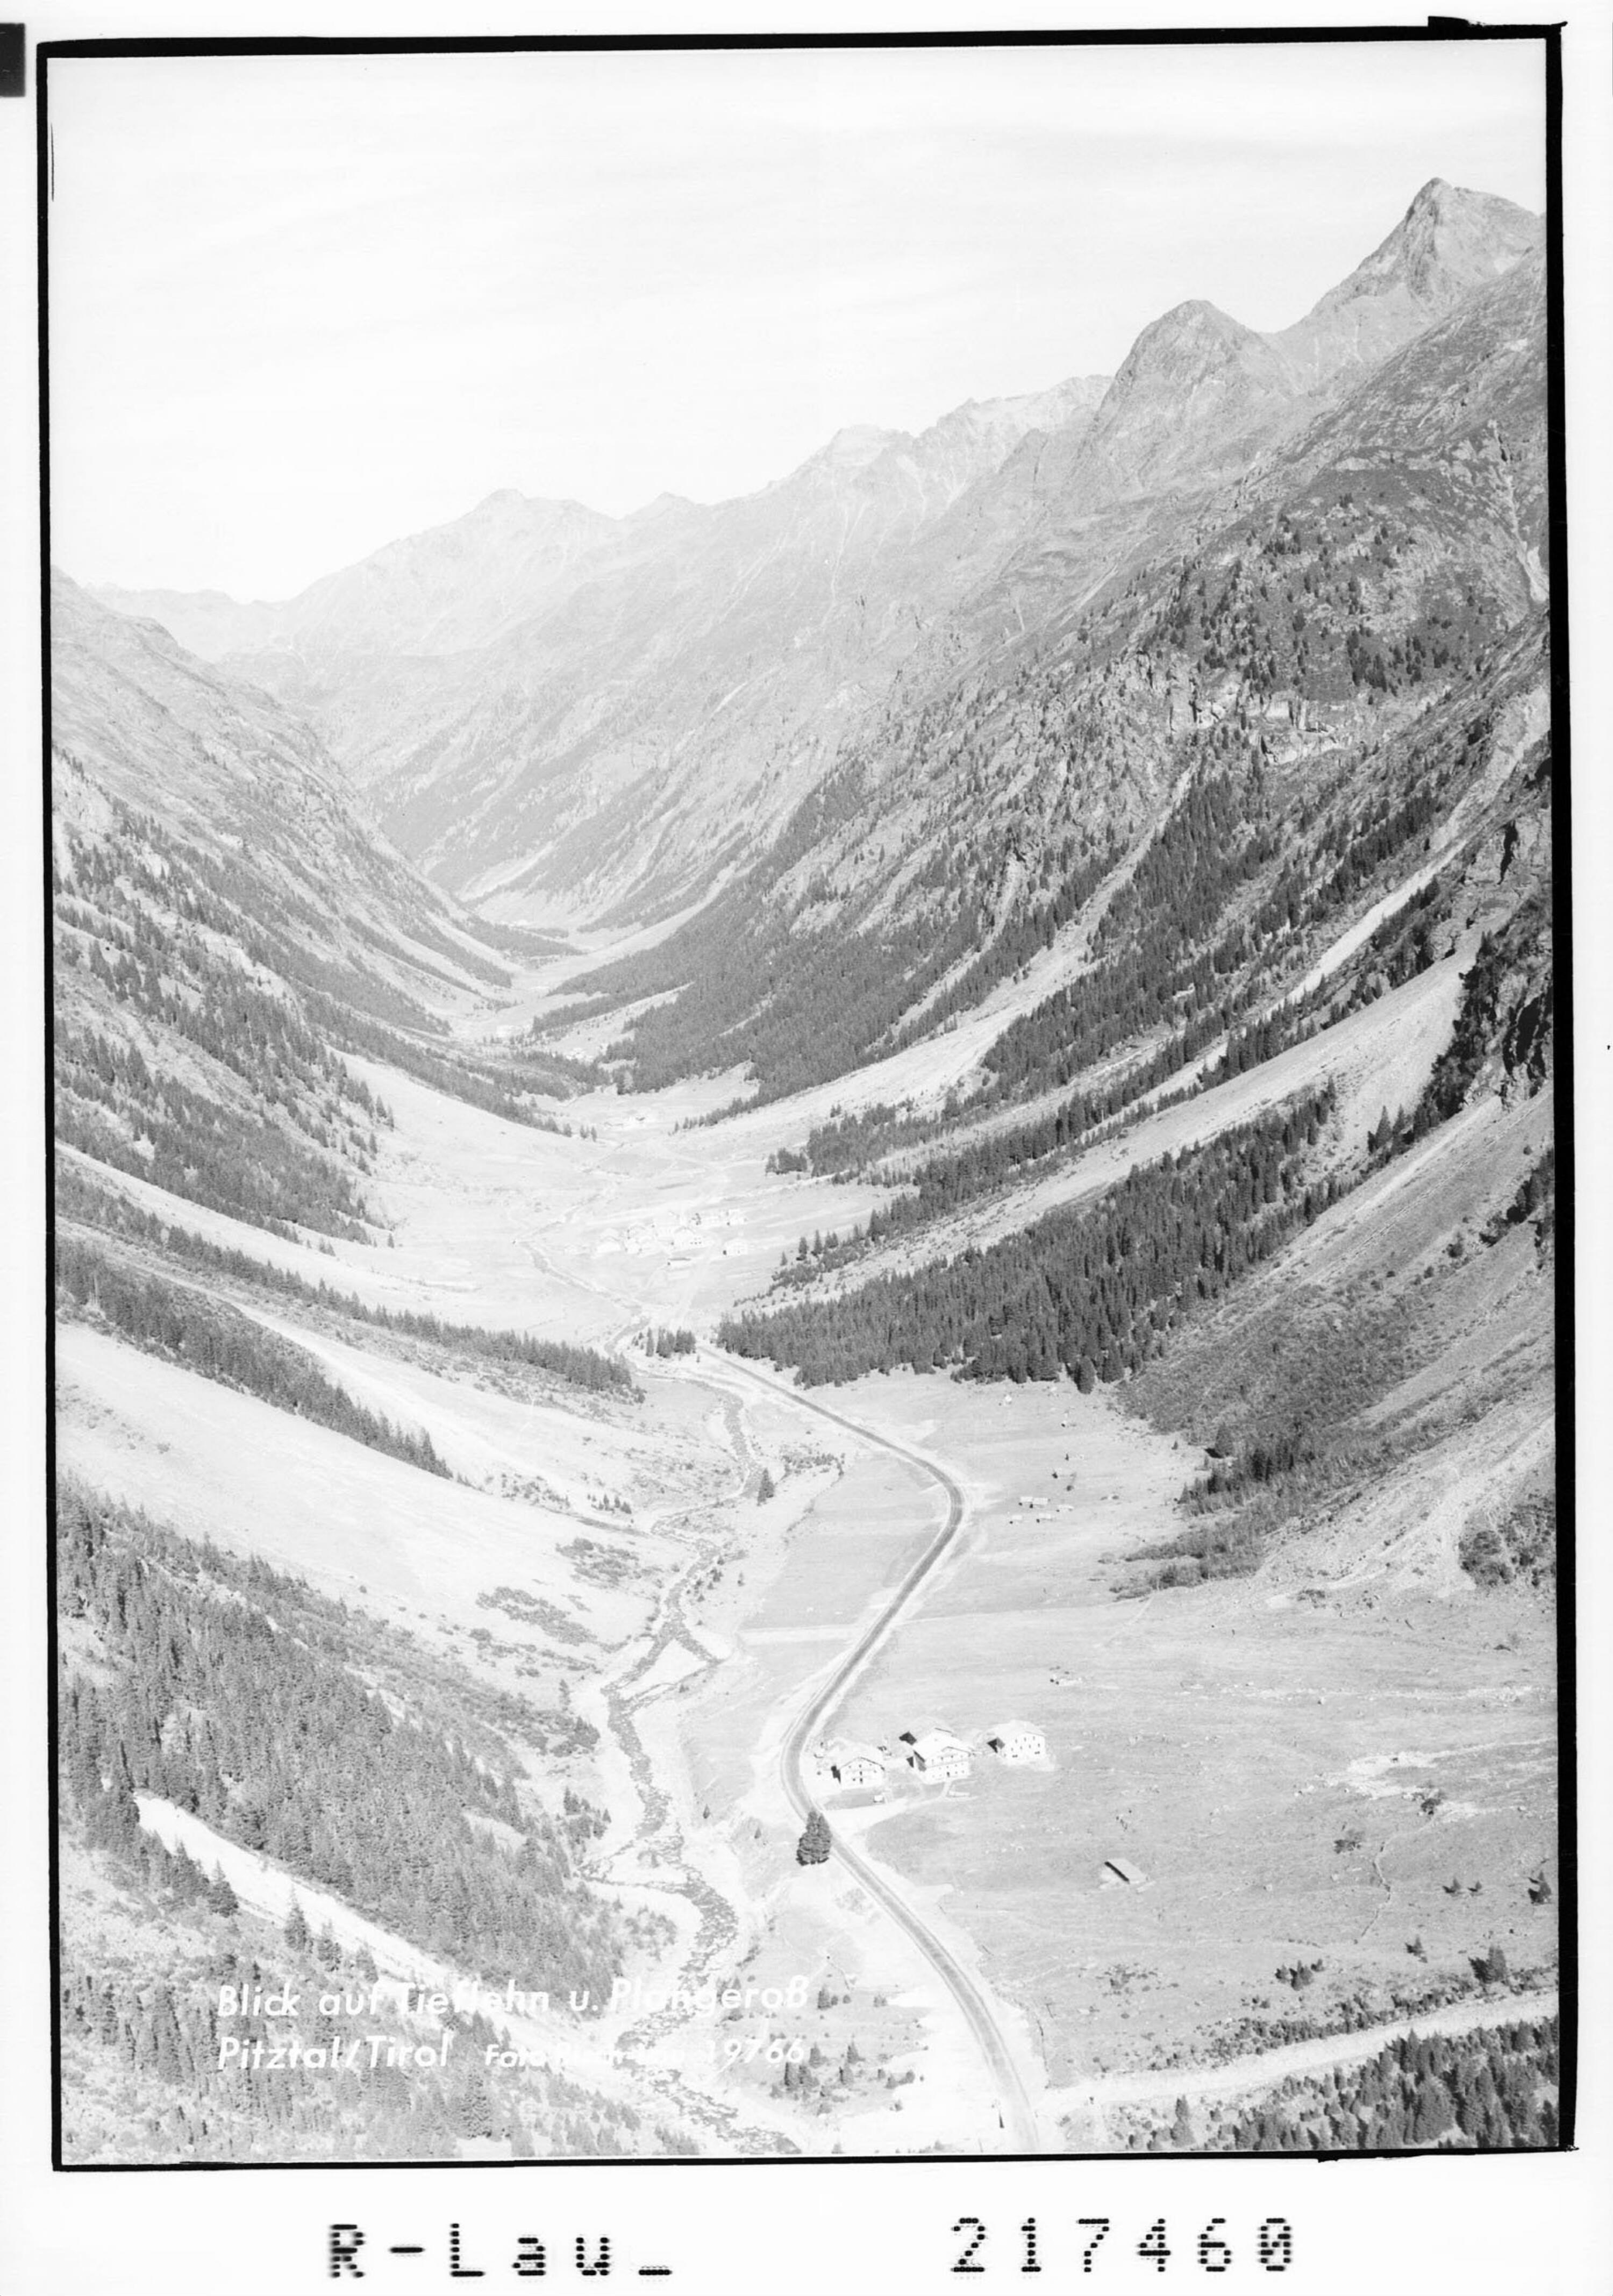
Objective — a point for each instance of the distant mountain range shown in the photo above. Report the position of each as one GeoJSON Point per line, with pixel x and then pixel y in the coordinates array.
{"type": "Point", "coordinates": [558, 713]}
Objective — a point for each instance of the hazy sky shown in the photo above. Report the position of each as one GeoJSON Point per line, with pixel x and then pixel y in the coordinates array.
{"type": "Point", "coordinates": [301, 306]}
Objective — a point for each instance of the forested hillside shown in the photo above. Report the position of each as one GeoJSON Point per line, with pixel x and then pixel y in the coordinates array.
{"type": "Point", "coordinates": [1344, 1374]}
{"type": "Point", "coordinates": [795, 1002]}
{"type": "Point", "coordinates": [1091, 1294]}
{"type": "Point", "coordinates": [141, 2050]}
{"type": "Point", "coordinates": [181, 1324]}
{"type": "Point", "coordinates": [1494, 2090]}
{"type": "Point", "coordinates": [84, 1206]}
{"type": "Point", "coordinates": [215, 1685]}
{"type": "Point", "coordinates": [1486, 889]}
{"type": "Point", "coordinates": [232, 943]}
{"type": "Point", "coordinates": [226, 930]}
{"type": "Point", "coordinates": [198, 1042]}
{"type": "Point", "coordinates": [232, 1691]}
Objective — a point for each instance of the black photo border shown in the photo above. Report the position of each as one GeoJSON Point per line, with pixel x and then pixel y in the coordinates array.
{"type": "Point", "coordinates": [1442, 30]}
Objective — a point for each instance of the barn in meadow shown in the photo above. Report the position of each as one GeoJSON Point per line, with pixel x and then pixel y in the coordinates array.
{"type": "Point", "coordinates": [1121, 1869]}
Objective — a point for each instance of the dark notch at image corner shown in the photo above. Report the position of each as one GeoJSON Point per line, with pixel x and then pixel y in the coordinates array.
{"type": "Point", "coordinates": [13, 60]}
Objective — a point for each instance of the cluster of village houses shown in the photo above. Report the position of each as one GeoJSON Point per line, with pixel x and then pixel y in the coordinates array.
{"type": "Point", "coordinates": [936, 1753]}
{"type": "Point", "coordinates": [848, 1765]}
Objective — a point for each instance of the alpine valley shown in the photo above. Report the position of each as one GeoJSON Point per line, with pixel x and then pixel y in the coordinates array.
{"type": "Point", "coordinates": [806, 1275]}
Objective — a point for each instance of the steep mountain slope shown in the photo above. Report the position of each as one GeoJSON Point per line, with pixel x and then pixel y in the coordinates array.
{"type": "Point", "coordinates": [1448, 243]}
{"type": "Point", "coordinates": [219, 764]}
{"type": "Point", "coordinates": [1331, 1259]}
{"type": "Point", "coordinates": [1284, 696]}
{"type": "Point", "coordinates": [246, 978]}
{"type": "Point", "coordinates": [661, 715]}
{"type": "Point", "coordinates": [1196, 397]}
{"type": "Point", "coordinates": [227, 927]}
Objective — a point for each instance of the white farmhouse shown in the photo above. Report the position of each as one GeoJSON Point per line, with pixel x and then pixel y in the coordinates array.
{"type": "Point", "coordinates": [938, 1754]}
{"type": "Point", "coordinates": [1018, 1742]}
{"type": "Point", "coordinates": [854, 1765]}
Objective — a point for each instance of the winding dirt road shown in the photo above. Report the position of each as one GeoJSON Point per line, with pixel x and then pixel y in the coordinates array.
{"type": "Point", "coordinates": [1014, 2107]}
{"type": "Point", "coordinates": [1015, 2112]}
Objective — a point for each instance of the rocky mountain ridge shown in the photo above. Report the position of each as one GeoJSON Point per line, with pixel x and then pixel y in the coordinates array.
{"type": "Point", "coordinates": [560, 715]}
{"type": "Point", "coordinates": [462, 584]}
{"type": "Point", "coordinates": [1310, 620]}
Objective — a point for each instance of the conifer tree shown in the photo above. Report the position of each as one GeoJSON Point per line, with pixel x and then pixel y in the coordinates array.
{"type": "Point", "coordinates": [473, 2113]}
{"type": "Point", "coordinates": [813, 1848]}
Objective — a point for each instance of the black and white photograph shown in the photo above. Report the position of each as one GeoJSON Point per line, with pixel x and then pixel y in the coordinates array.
{"type": "Point", "coordinates": [811, 1256]}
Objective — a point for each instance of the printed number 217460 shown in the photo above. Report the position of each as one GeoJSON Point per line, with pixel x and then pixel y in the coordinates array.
{"type": "Point", "coordinates": [1269, 2245]}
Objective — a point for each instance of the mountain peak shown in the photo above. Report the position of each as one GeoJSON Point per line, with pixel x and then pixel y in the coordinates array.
{"type": "Point", "coordinates": [508, 503]}
{"type": "Point", "coordinates": [856, 447]}
{"type": "Point", "coordinates": [663, 503]}
{"type": "Point", "coordinates": [1189, 342]}
{"type": "Point", "coordinates": [1449, 242]}
{"type": "Point", "coordinates": [1193, 394]}
{"type": "Point", "coordinates": [1196, 325]}
{"type": "Point", "coordinates": [1432, 193]}
{"type": "Point", "coordinates": [1197, 312]}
